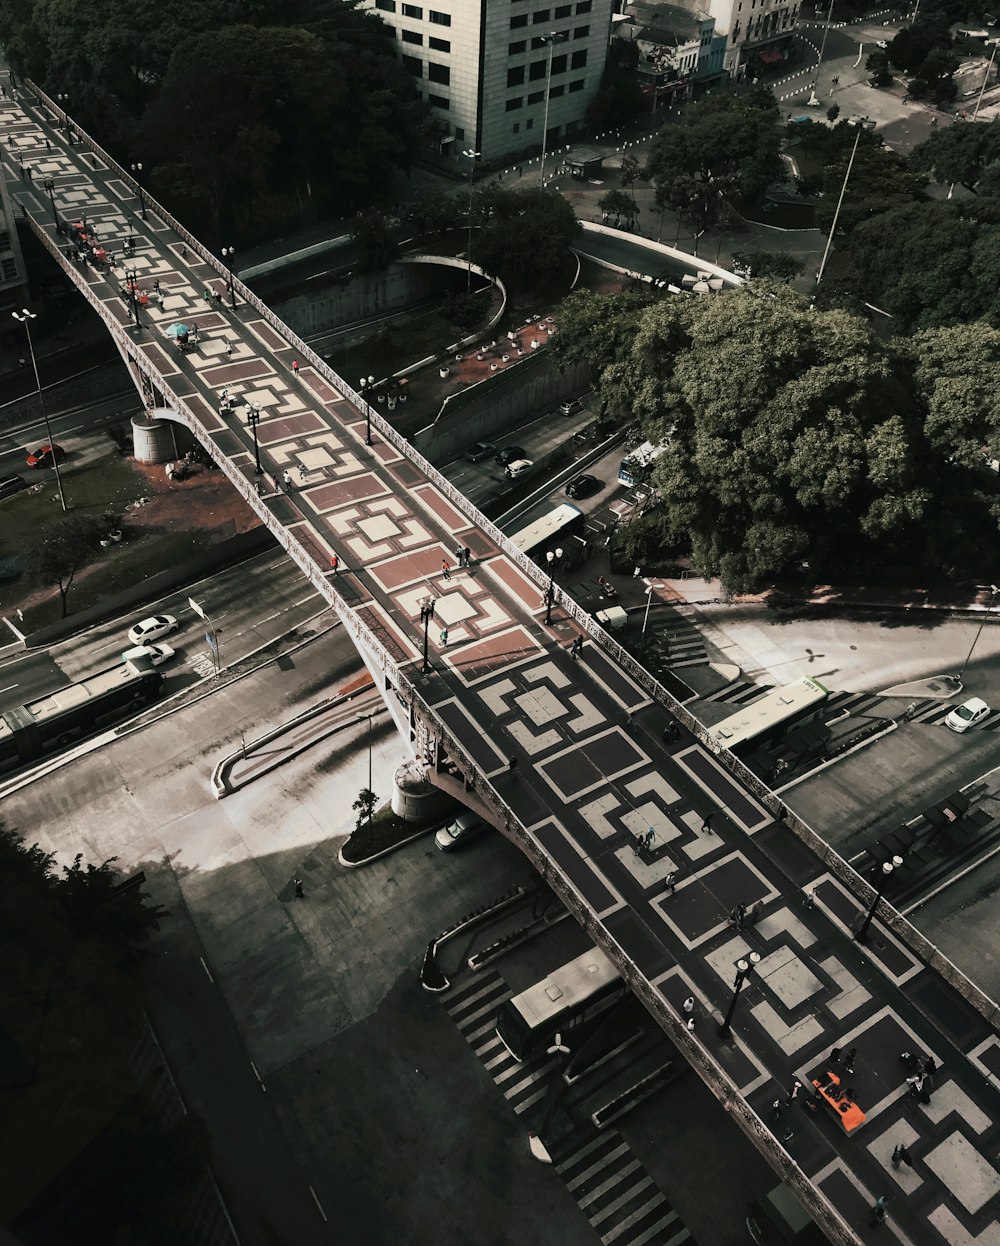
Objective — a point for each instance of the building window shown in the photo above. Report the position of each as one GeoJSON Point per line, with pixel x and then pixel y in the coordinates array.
{"type": "Point", "coordinates": [5, 240]}
{"type": "Point", "coordinates": [415, 65]}
{"type": "Point", "coordinates": [543, 15]}
{"type": "Point", "coordinates": [515, 76]}
{"type": "Point", "coordinates": [536, 97]}
{"type": "Point", "coordinates": [581, 32]}
{"type": "Point", "coordinates": [9, 269]}
{"type": "Point", "coordinates": [520, 20]}
{"type": "Point", "coordinates": [562, 10]}
{"type": "Point", "coordinates": [514, 104]}
{"type": "Point", "coordinates": [515, 49]}
{"type": "Point", "coordinates": [584, 6]}
{"type": "Point", "coordinates": [387, 6]}
{"type": "Point", "coordinates": [536, 71]}
{"type": "Point", "coordinates": [576, 86]}
{"type": "Point", "coordinates": [558, 65]}
{"type": "Point", "coordinates": [442, 19]}
{"type": "Point", "coordinates": [411, 36]}
{"type": "Point", "coordinates": [438, 73]}
{"type": "Point", "coordinates": [579, 59]}
{"type": "Point", "coordinates": [556, 92]}
{"type": "Point", "coordinates": [459, 134]}
{"type": "Point", "coordinates": [529, 124]}
{"type": "Point", "coordinates": [517, 128]}
{"type": "Point", "coordinates": [439, 101]}
{"type": "Point", "coordinates": [439, 45]}
{"type": "Point", "coordinates": [411, 10]}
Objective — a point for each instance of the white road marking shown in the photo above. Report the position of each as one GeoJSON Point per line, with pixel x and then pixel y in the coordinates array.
{"type": "Point", "coordinates": [319, 1205]}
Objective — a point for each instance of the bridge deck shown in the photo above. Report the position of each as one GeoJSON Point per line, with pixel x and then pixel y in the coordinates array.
{"type": "Point", "coordinates": [593, 771]}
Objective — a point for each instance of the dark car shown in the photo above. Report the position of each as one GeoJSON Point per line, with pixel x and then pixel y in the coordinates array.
{"type": "Point", "coordinates": [9, 485]}
{"type": "Point", "coordinates": [481, 450]}
{"type": "Point", "coordinates": [582, 486]}
{"type": "Point", "coordinates": [45, 456]}
{"type": "Point", "coordinates": [509, 454]}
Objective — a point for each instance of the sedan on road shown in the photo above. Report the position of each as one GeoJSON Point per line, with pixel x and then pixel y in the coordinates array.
{"type": "Point", "coordinates": [962, 717]}
{"type": "Point", "coordinates": [45, 456]}
{"type": "Point", "coordinates": [582, 486]}
{"type": "Point", "coordinates": [510, 454]}
{"type": "Point", "coordinates": [157, 654]}
{"type": "Point", "coordinates": [152, 629]}
{"type": "Point", "coordinates": [481, 450]}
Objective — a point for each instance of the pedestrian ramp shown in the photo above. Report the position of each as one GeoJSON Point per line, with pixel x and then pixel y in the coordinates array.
{"type": "Point", "coordinates": [608, 1183]}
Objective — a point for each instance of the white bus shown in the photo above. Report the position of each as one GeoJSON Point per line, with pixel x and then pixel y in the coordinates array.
{"type": "Point", "coordinates": [636, 466]}
{"type": "Point", "coordinates": [773, 712]}
{"type": "Point", "coordinates": [568, 997]}
{"type": "Point", "coordinates": [556, 526]}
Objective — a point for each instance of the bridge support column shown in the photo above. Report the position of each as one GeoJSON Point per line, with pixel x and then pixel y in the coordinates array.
{"type": "Point", "coordinates": [414, 797]}
{"type": "Point", "coordinates": [154, 439]}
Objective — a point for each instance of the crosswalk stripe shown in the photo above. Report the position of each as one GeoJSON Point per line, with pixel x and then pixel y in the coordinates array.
{"type": "Point", "coordinates": [647, 1234]}
{"type": "Point", "coordinates": [596, 1168]}
{"type": "Point", "coordinates": [624, 1225]}
{"type": "Point", "coordinates": [600, 1139]}
{"type": "Point", "coordinates": [523, 1104]}
{"type": "Point", "coordinates": [617, 1178]}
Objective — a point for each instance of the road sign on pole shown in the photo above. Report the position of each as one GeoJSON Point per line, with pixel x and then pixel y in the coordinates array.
{"type": "Point", "coordinates": [197, 609]}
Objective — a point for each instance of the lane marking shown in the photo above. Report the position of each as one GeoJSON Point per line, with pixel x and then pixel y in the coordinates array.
{"type": "Point", "coordinates": [208, 972]}
{"type": "Point", "coordinates": [319, 1205]}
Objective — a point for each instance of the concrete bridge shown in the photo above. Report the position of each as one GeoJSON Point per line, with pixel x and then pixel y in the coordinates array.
{"type": "Point", "coordinates": [567, 756]}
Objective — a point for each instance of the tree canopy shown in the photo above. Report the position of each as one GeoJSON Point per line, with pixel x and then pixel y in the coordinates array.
{"type": "Point", "coordinates": [525, 231]}
{"type": "Point", "coordinates": [62, 549]}
{"type": "Point", "coordinates": [962, 154]}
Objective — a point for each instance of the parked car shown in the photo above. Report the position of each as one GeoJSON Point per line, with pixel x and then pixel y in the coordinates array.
{"type": "Point", "coordinates": [881, 43]}
{"type": "Point", "coordinates": [152, 629]}
{"type": "Point", "coordinates": [574, 407]}
{"type": "Point", "coordinates": [45, 456]}
{"type": "Point", "coordinates": [460, 831]}
{"type": "Point", "coordinates": [962, 717]}
{"type": "Point", "coordinates": [9, 485]}
{"type": "Point", "coordinates": [519, 467]}
{"type": "Point", "coordinates": [582, 486]}
{"type": "Point", "coordinates": [510, 454]}
{"type": "Point", "coordinates": [157, 653]}
{"type": "Point", "coordinates": [481, 450]}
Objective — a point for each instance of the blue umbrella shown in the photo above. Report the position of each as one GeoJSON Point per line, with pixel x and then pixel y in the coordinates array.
{"type": "Point", "coordinates": [178, 330]}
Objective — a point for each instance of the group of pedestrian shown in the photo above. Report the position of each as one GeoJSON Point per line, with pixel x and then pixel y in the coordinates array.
{"type": "Point", "coordinates": [921, 1071]}
{"type": "Point", "coordinates": [463, 556]}
{"type": "Point", "coordinates": [844, 1059]}
{"type": "Point", "coordinates": [576, 648]}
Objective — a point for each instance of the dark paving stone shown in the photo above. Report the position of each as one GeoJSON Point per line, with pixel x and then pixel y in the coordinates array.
{"type": "Point", "coordinates": [724, 788]}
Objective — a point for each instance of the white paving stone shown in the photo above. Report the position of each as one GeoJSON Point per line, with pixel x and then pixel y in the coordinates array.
{"type": "Point", "coordinates": [963, 1171]}
{"type": "Point", "coordinates": [784, 921]}
{"type": "Point", "coordinates": [655, 783]}
{"type": "Point", "coordinates": [790, 1038]}
{"type": "Point", "coordinates": [950, 1097]}
{"type": "Point", "coordinates": [785, 974]}
{"type": "Point", "coordinates": [943, 1219]}
{"type": "Point", "coordinates": [595, 813]}
{"type": "Point", "coordinates": [587, 717]}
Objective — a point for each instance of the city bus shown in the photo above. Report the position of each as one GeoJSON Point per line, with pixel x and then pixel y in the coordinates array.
{"type": "Point", "coordinates": [636, 466]}
{"type": "Point", "coordinates": [769, 716]}
{"type": "Point", "coordinates": [51, 722]}
{"type": "Point", "coordinates": [558, 527]}
{"type": "Point", "coordinates": [568, 997]}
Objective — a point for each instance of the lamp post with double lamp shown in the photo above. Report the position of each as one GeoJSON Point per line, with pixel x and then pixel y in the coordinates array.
{"type": "Point", "coordinates": [227, 255]}
{"type": "Point", "coordinates": [887, 871]}
{"type": "Point", "coordinates": [365, 387]}
{"type": "Point", "coordinates": [473, 157]}
{"type": "Point", "coordinates": [64, 105]}
{"type": "Point", "coordinates": [50, 186]}
{"type": "Point", "coordinates": [132, 285]}
{"type": "Point", "coordinates": [426, 614]}
{"type": "Point", "coordinates": [253, 419]}
{"type": "Point", "coordinates": [368, 718]}
{"type": "Point", "coordinates": [137, 173]}
{"type": "Point", "coordinates": [979, 631]}
{"type": "Point", "coordinates": [25, 317]}
{"type": "Point", "coordinates": [552, 558]}
{"type": "Point", "coordinates": [743, 970]}
{"type": "Point", "coordinates": [552, 38]}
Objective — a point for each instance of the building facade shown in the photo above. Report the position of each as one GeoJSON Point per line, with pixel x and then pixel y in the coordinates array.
{"type": "Point", "coordinates": [761, 34]}
{"type": "Point", "coordinates": [13, 280]}
{"type": "Point", "coordinates": [483, 67]}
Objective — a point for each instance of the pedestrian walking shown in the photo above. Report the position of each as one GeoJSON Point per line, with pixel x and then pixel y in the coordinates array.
{"type": "Point", "coordinates": [48, 145]}
{"type": "Point", "coordinates": [156, 285]}
{"type": "Point", "coordinates": [835, 1055]}
{"type": "Point", "coordinates": [468, 556]}
{"type": "Point", "coordinates": [849, 1060]}
{"type": "Point", "coordinates": [793, 1094]}
{"type": "Point", "coordinates": [299, 890]}
{"type": "Point", "coordinates": [460, 556]}
{"type": "Point", "coordinates": [706, 824]}
{"type": "Point", "coordinates": [159, 301]}
{"type": "Point", "coordinates": [286, 477]}
{"type": "Point", "coordinates": [445, 568]}
{"type": "Point", "coordinates": [878, 1211]}
{"type": "Point", "coordinates": [930, 1068]}
{"type": "Point", "coordinates": [629, 721]}
{"type": "Point", "coordinates": [30, 173]}
{"type": "Point", "coordinates": [737, 916]}
{"type": "Point", "coordinates": [443, 637]}
{"type": "Point", "coordinates": [229, 350]}
{"type": "Point", "coordinates": [671, 881]}
{"type": "Point", "coordinates": [512, 766]}
{"type": "Point", "coordinates": [295, 367]}
{"type": "Point", "coordinates": [690, 1025]}
{"type": "Point", "coordinates": [218, 299]}
{"type": "Point", "coordinates": [688, 1005]}
{"type": "Point", "coordinates": [900, 1153]}
{"type": "Point", "coordinates": [335, 563]}
{"type": "Point", "coordinates": [777, 1110]}
{"type": "Point", "coordinates": [577, 647]}
{"type": "Point", "coordinates": [650, 836]}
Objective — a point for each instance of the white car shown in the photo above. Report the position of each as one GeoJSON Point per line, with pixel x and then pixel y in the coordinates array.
{"type": "Point", "coordinates": [152, 629]}
{"type": "Point", "coordinates": [962, 717]}
{"type": "Point", "coordinates": [881, 43]}
{"type": "Point", "coordinates": [157, 654]}
{"type": "Point", "coordinates": [518, 468]}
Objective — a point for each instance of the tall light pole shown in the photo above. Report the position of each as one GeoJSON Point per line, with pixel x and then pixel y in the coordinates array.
{"type": "Point", "coordinates": [836, 215]}
{"type": "Point", "coordinates": [552, 557]}
{"type": "Point", "coordinates": [426, 614]}
{"type": "Point", "coordinates": [25, 317]}
{"type": "Point", "coordinates": [552, 38]}
{"type": "Point", "coordinates": [368, 718]}
{"type": "Point", "coordinates": [822, 49]}
{"type": "Point", "coordinates": [137, 173]}
{"type": "Point", "coordinates": [64, 105]}
{"type": "Point", "coordinates": [649, 598]}
{"type": "Point", "coordinates": [213, 639]}
{"type": "Point", "coordinates": [227, 255]}
{"type": "Point", "coordinates": [982, 89]}
{"type": "Point", "coordinates": [979, 631]}
{"type": "Point", "coordinates": [253, 419]}
{"type": "Point", "coordinates": [365, 386]}
{"type": "Point", "coordinates": [473, 157]}
{"type": "Point", "coordinates": [888, 868]}
{"type": "Point", "coordinates": [743, 970]}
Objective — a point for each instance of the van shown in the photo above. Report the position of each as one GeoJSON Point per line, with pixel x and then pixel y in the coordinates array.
{"type": "Point", "coordinates": [519, 467]}
{"type": "Point", "coordinates": [459, 831]}
{"type": "Point", "coordinates": [779, 1219]}
{"type": "Point", "coordinates": [573, 407]}
{"type": "Point", "coordinates": [9, 485]}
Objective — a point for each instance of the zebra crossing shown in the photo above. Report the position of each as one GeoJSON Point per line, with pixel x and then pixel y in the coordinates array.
{"type": "Point", "coordinates": [608, 1183]}
{"type": "Point", "coordinates": [680, 643]}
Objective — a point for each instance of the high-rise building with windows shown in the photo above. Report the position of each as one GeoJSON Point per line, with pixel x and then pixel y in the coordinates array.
{"type": "Point", "coordinates": [484, 67]}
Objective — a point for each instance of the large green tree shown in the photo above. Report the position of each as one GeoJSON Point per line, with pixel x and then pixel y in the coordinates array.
{"type": "Point", "coordinates": [880, 181]}
{"type": "Point", "coordinates": [528, 234]}
{"type": "Point", "coordinates": [962, 154]}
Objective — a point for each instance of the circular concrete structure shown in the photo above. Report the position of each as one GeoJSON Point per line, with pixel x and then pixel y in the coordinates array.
{"type": "Point", "coordinates": [414, 798]}
{"type": "Point", "coordinates": [152, 438]}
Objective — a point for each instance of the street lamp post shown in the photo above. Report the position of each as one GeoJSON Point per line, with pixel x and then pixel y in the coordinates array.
{"type": "Point", "coordinates": [979, 631]}
{"type": "Point", "coordinates": [227, 255]}
{"type": "Point", "coordinates": [25, 317]}
{"type": "Point", "coordinates": [50, 186]}
{"type": "Point", "coordinates": [132, 285]}
{"type": "Point", "coordinates": [426, 614]}
{"type": "Point", "coordinates": [368, 718]}
{"type": "Point", "coordinates": [554, 37]}
{"type": "Point", "coordinates": [213, 639]}
{"type": "Point", "coordinates": [552, 558]}
{"type": "Point", "coordinates": [743, 970]}
{"type": "Point", "coordinates": [888, 868]}
{"type": "Point", "coordinates": [137, 173]}
{"type": "Point", "coordinates": [822, 48]}
{"type": "Point", "coordinates": [473, 157]}
{"type": "Point", "coordinates": [366, 384]}
{"type": "Point", "coordinates": [253, 419]}
{"type": "Point", "coordinates": [64, 105]}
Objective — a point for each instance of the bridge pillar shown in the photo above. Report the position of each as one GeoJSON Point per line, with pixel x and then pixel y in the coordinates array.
{"type": "Point", "coordinates": [154, 438]}
{"type": "Point", "coordinates": [414, 797]}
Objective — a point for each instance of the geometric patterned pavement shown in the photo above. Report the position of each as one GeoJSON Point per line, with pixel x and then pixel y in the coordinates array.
{"type": "Point", "coordinates": [611, 1187]}
{"type": "Point", "coordinates": [593, 769]}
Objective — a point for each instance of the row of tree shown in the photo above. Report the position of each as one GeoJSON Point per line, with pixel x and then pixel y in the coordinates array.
{"type": "Point", "coordinates": [795, 435]}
